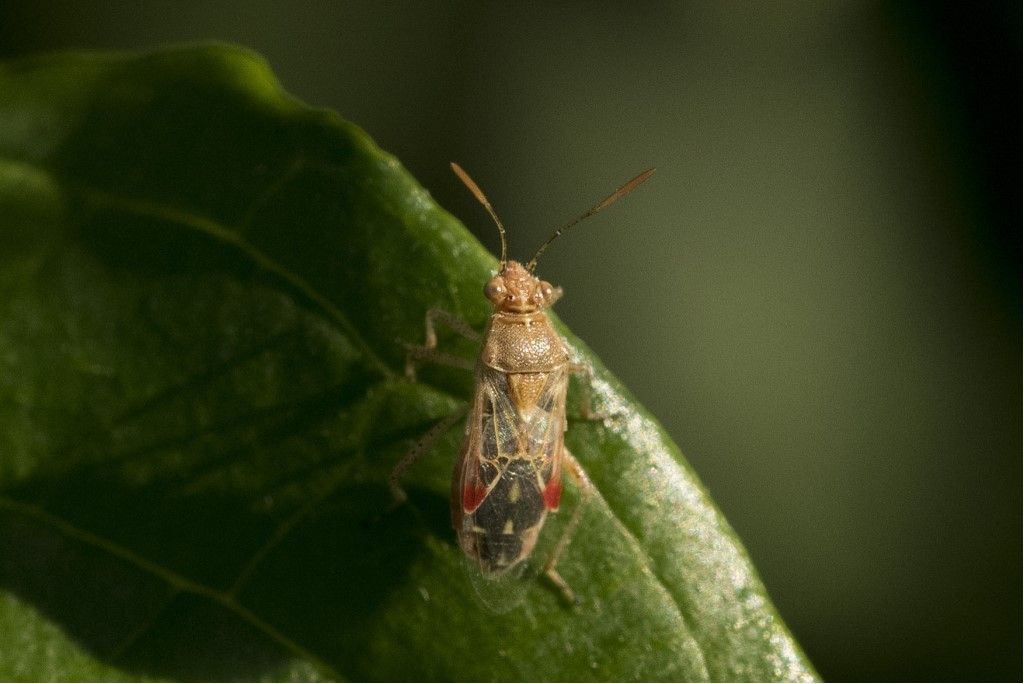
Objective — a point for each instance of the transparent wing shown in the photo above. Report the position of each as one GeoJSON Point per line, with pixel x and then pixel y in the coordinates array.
{"type": "Point", "coordinates": [509, 478]}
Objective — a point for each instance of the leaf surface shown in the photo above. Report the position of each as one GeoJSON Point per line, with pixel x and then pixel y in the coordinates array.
{"type": "Point", "coordinates": [204, 290]}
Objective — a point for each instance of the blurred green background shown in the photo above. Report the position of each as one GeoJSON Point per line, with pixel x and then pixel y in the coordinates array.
{"type": "Point", "coordinates": [818, 293]}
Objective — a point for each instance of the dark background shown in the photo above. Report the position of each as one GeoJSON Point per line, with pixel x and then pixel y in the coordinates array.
{"type": "Point", "coordinates": [818, 293]}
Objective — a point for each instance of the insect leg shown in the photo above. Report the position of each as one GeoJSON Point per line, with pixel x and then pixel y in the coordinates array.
{"type": "Point", "coordinates": [454, 322]}
{"type": "Point", "coordinates": [421, 446]}
{"type": "Point", "coordinates": [428, 350]}
{"type": "Point", "coordinates": [587, 489]}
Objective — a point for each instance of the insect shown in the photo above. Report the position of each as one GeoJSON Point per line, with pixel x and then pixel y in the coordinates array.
{"type": "Point", "coordinates": [508, 476]}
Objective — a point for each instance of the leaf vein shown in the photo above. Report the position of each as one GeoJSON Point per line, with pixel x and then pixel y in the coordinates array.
{"type": "Point", "coordinates": [136, 634]}
{"type": "Point", "coordinates": [279, 534]}
{"type": "Point", "coordinates": [269, 193]}
{"type": "Point", "coordinates": [177, 581]}
{"type": "Point", "coordinates": [225, 234]}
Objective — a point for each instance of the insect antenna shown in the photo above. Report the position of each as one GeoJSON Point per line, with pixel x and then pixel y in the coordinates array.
{"type": "Point", "coordinates": [479, 194]}
{"type": "Point", "coordinates": [623, 190]}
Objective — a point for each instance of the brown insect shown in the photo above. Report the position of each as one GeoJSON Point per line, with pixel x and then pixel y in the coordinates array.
{"type": "Point", "coordinates": [509, 473]}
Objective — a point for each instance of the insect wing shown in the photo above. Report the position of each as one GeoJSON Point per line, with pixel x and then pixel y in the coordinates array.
{"type": "Point", "coordinates": [509, 477]}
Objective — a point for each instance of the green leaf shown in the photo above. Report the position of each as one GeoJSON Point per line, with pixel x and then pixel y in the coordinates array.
{"type": "Point", "coordinates": [204, 290]}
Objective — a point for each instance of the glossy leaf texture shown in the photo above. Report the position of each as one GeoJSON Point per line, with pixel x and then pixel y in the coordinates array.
{"type": "Point", "coordinates": [204, 290]}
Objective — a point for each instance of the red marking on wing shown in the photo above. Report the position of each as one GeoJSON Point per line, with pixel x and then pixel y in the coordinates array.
{"type": "Point", "coordinates": [473, 494]}
{"type": "Point", "coordinates": [552, 494]}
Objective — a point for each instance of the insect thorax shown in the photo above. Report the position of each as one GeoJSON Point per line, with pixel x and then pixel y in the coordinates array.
{"type": "Point", "coordinates": [523, 343]}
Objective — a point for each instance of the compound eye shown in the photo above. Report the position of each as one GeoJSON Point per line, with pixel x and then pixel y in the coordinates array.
{"type": "Point", "coordinates": [495, 290]}
{"type": "Point", "coordinates": [546, 290]}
